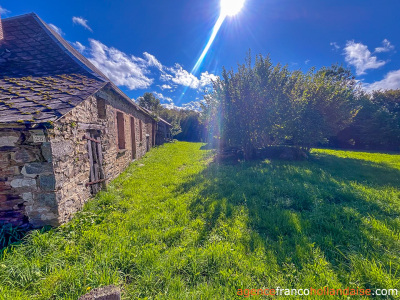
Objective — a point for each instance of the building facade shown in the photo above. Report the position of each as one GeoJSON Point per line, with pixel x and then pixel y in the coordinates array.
{"type": "Point", "coordinates": [65, 129]}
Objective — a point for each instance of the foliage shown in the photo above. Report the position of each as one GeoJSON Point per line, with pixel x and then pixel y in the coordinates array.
{"type": "Point", "coordinates": [150, 102]}
{"type": "Point", "coordinates": [186, 124]}
{"type": "Point", "coordinates": [173, 117]}
{"type": "Point", "coordinates": [262, 104]}
{"type": "Point", "coordinates": [177, 226]}
{"type": "Point", "coordinates": [11, 234]}
{"type": "Point", "coordinates": [377, 125]}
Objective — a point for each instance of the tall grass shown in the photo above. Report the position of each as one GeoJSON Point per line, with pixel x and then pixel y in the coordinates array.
{"type": "Point", "coordinates": [176, 225]}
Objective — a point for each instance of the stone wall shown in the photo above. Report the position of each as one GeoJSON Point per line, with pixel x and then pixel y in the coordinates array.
{"type": "Point", "coordinates": [27, 183]}
{"type": "Point", "coordinates": [44, 172]}
{"type": "Point", "coordinates": [70, 148]}
{"type": "Point", "coordinates": [163, 133]}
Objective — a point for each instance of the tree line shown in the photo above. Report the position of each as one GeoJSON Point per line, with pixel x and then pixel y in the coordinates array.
{"type": "Point", "coordinates": [186, 124]}
{"type": "Point", "coordinates": [261, 105]}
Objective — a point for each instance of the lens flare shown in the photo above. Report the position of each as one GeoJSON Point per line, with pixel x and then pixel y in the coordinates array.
{"type": "Point", "coordinates": [228, 8]}
{"type": "Point", "coordinates": [216, 28]}
{"type": "Point", "coordinates": [231, 7]}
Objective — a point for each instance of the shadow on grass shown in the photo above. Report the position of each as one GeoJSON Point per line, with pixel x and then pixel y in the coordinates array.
{"type": "Point", "coordinates": [345, 209]}
{"type": "Point", "coordinates": [14, 235]}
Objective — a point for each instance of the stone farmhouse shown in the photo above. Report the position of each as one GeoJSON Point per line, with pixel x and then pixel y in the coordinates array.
{"type": "Point", "coordinates": [65, 129]}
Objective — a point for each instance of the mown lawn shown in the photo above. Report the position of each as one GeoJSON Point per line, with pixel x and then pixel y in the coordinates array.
{"type": "Point", "coordinates": [176, 225]}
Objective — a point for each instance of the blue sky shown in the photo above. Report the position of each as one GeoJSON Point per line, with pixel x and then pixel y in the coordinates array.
{"type": "Point", "coordinates": [153, 45]}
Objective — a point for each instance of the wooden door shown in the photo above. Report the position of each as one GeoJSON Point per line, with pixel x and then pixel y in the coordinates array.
{"type": "Point", "coordinates": [96, 176]}
{"type": "Point", "coordinates": [147, 143]}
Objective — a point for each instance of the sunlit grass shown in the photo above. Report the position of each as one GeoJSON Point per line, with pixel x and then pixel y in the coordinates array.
{"type": "Point", "coordinates": [177, 226]}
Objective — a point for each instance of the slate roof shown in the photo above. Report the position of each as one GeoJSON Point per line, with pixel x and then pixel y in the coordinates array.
{"type": "Point", "coordinates": [159, 118]}
{"type": "Point", "coordinates": [162, 120]}
{"type": "Point", "coordinates": [42, 77]}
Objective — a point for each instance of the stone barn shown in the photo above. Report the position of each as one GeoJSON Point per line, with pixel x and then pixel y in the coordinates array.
{"type": "Point", "coordinates": [163, 130]}
{"type": "Point", "coordinates": [65, 129]}
{"type": "Point", "coordinates": [163, 133]}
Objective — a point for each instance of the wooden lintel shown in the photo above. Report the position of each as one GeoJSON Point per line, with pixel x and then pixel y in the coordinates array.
{"type": "Point", "coordinates": [86, 126]}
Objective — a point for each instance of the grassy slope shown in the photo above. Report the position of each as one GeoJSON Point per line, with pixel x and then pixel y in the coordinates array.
{"type": "Point", "coordinates": [181, 228]}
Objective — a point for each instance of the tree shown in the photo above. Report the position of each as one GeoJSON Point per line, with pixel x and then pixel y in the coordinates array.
{"type": "Point", "coordinates": [377, 125]}
{"type": "Point", "coordinates": [326, 103]}
{"type": "Point", "coordinates": [186, 124]}
{"type": "Point", "coordinates": [150, 102]}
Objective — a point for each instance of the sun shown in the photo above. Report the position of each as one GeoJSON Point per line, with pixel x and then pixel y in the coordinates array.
{"type": "Point", "coordinates": [228, 8]}
{"type": "Point", "coordinates": [231, 7]}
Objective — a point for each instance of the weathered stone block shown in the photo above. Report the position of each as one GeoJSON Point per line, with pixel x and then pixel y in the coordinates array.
{"type": "Point", "coordinates": [34, 134]}
{"type": "Point", "coordinates": [23, 182]}
{"type": "Point", "coordinates": [5, 158]}
{"type": "Point", "coordinates": [33, 169]}
{"type": "Point", "coordinates": [105, 293]}
{"type": "Point", "coordinates": [46, 152]}
{"type": "Point", "coordinates": [9, 171]}
{"type": "Point", "coordinates": [28, 197]}
{"type": "Point", "coordinates": [9, 138]}
{"type": "Point", "coordinates": [23, 155]}
{"type": "Point", "coordinates": [47, 182]}
{"type": "Point", "coordinates": [46, 200]}
{"type": "Point", "coordinates": [41, 218]}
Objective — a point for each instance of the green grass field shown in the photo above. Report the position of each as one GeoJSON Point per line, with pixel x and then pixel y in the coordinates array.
{"type": "Point", "coordinates": [176, 225]}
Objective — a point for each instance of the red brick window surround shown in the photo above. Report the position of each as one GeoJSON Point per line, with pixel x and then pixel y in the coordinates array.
{"type": "Point", "coordinates": [121, 130]}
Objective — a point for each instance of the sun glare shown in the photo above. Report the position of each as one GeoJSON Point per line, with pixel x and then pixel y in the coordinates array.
{"type": "Point", "coordinates": [231, 7]}
{"type": "Point", "coordinates": [228, 8]}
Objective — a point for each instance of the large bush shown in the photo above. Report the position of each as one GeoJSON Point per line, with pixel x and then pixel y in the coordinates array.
{"type": "Point", "coordinates": [262, 104]}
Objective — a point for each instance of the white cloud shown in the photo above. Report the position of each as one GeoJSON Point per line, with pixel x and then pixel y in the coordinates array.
{"type": "Point", "coordinates": [171, 106]}
{"type": "Point", "coordinates": [56, 29]}
{"type": "Point", "coordinates": [152, 61]}
{"type": "Point", "coordinates": [358, 55]}
{"type": "Point", "coordinates": [4, 11]}
{"type": "Point", "coordinates": [165, 87]}
{"type": "Point", "coordinates": [182, 77]}
{"type": "Point", "coordinates": [307, 61]}
{"type": "Point", "coordinates": [391, 81]}
{"type": "Point", "coordinates": [194, 105]}
{"type": "Point", "coordinates": [162, 97]}
{"type": "Point", "coordinates": [387, 47]}
{"type": "Point", "coordinates": [78, 46]}
{"type": "Point", "coordinates": [335, 46]}
{"type": "Point", "coordinates": [81, 21]}
{"type": "Point", "coordinates": [120, 68]}
{"type": "Point", "coordinates": [135, 72]}
{"type": "Point", "coordinates": [206, 79]}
